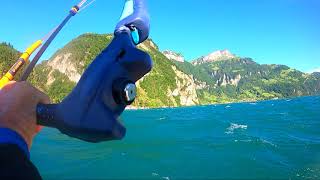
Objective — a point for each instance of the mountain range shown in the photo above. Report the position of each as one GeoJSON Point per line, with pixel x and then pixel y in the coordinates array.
{"type": "Point", "coordinates": [219, 77]}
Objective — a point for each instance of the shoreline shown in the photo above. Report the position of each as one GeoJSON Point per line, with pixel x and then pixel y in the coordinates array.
{"type": "Point", "coordinates": [133, 108]}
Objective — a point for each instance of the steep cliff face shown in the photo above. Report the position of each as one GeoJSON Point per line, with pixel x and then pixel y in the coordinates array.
{"type": "Point", "coordinates": [186, 88]}
{"type": "Point", "coordinates": [64, 65]}
{"type": "Point", "coordinates": [228, 80]}
{"type": "Point", "coordinates": [148, 45]}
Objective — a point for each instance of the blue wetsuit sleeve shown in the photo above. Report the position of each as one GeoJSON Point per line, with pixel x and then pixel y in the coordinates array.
{"type": "Point", "coordinates": [8, 136]}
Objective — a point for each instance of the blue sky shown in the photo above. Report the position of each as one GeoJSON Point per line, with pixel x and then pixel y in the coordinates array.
{"type": "Point", "coordinates": [269, 31]}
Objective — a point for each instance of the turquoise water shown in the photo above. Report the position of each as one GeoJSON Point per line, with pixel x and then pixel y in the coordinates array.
{"type": "Point", "coordinates": [270, 139]}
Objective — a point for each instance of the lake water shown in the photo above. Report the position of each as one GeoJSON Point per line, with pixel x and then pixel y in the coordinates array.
{"type": "Point", "coordinates": [270, 139]}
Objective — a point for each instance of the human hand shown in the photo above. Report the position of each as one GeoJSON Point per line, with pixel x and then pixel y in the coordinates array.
{"type": "Point", "coordinates": [18, 102]}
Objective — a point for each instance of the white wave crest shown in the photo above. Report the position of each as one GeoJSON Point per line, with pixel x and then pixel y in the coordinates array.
{"type": "Point", "coordinates": [234, 126]}
{"type": "Point", "coordinates": [162, 118]}
{"type": "Point", "coordinates": [268, 142]}
{"type": "Point", "coordinates": [155, 174]}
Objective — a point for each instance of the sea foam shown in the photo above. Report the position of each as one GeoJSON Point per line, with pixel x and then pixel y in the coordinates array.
{"type": "Point", "coordinates": [233, 127]}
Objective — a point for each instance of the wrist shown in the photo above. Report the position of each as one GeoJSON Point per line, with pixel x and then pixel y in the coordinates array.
{"type": "Point", "coordinates": [9, 136]}
{"type": "Point", "coordinates": [17, 126]}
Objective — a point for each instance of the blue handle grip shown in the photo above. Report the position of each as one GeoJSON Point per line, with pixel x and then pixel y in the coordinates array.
{"type": "Point", "coordinates": [135, 15]}
{"type": "Point", "coordinates": [91, 111]}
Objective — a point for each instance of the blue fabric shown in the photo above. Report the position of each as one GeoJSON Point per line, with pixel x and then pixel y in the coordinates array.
{"type": "Point", "coordinates": [8, 136]}
{"type": "Point", "coordinates": [127, 10]}
{"type": "Point", "coordinates": [139, 18]}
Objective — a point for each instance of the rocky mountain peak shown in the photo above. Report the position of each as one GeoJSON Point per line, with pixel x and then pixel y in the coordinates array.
{"type": "Point", "coordinates": [316, 74]}
{"type": "Point", "coordinates": [317, 70]}
{"type": "Point", "coordinates": [219, 55]}
{"type": "Point", "coordinates": [173, 56]}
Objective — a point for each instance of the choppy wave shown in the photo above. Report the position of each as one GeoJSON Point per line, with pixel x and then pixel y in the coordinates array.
{"type": "Point", "coordinates": [268, 142]}
{"type": "Point", "coordinates": [160, 177]}
{"type": "Point", "coordinates": [271, 140]}
{"type": "Point", "coordinates": [233, 127]}
{"type": "Point", "coordinates": [255, 140]}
